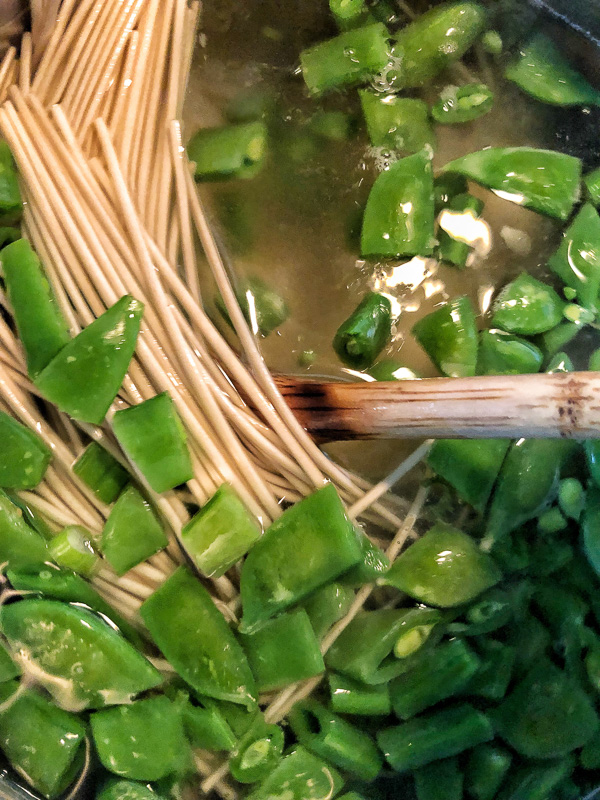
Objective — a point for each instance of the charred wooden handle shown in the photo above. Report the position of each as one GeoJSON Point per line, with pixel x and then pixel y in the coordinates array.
{"type": "Point", "coordinates": [536, 406]}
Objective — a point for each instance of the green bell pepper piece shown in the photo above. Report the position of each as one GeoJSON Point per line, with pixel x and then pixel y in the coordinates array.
{"type": "Point", "coordinates": [20, 545]}
{"type": "Point", "coordinates": [346, 60]}
{"type": "Point", "coordinates": [577, 260]}
{"type": "Point", "coordinates": [433, 41]}
{"type": "Point", "coordinates": [231, 151]}
{"type": "Point", "coordinates": [458, 216]}
{"type": "Point", "coordinates": [543, 180]}
{"type": "Point", "coordinates": [86, 375]}
{"type": "Point", "coordinates": [388, 369]}
{"type": "Point", "coordinates": [101, 472]}
{"type": "Point", "coordinates": [77, 657]}
{"type": "Point", "coordinates": [399, 216]}
{"type": "Point", "coordinates": [196, 640]}
{"type": "Point", "coordinates": [372, 566]}
{"type": "Point", "coordinates": [154, 439]}
{"type": "Point", "coordinates": [220, 533]}
{"type": "Point", "coordinates": [542, 72]}
{"type": "Point", "coordinates": [25, 457]}
{"type": "Point", "coordinates": [205, 726]}
{"type": "Point", "coordinates": [299, 776]}
{"type": "Point", "coordinates": [11, 204]}
{"type": "Point", "coordinates": [438, 675]}
{"type": "Point", "coordinates": [324, 544]}
{"type": "Point", "coordinates": [283, 651]}
{"type": "Point", "coordinates": [433, 736]}
{"type": "Point", "coordinates": [263, 308]}
{"type": "Point", "coordinates": [536, 781]}
{"type": "Point", "coordinates": [327, 606]}
{"type": "Point", "coordinates": [445, 568]}
{"type": "Point", "coordinates": [39, 740]}
{"type": "Point", "coordinates": [72, 548]}
{"type": "Point", "coordinates": [495, 671]}
{"type": "Point", "coordinates": [440, 780]}
{"type": "Point", "coordinates": [527, 306]}
{"type": "Point", "coordinates": [335, 740]}
{"type": "Point", "coordinates": [398, 123]}
{"type": "Point", "coordinates": [471, 466]}
{"type": "Point", "coordinates": [349, 14]}
{"type": "Point", "coordinates": [62, 584]}
{"type": "Point", "coordinates": [459, 104]}
{"type": "Point", "coordinates": [493, 610]}
{"type": "Point", "coordinates": [132, 532]}
{"type": "Point", "coordinates": [505, 354]}
{"type": "Point", "coordinates": [590, 528]}
{"type": "Point", "coordinates": [449, 337]}
{"type": "Point", "coordinates": [591, 182]}
{"type": "Point", "coordinates": [528, 482]}
{"type": "Point", "coordinates": [257, 753]}
{"type": "Point", "coordinates": [351, 697]}
{"type": "Point", "coordinates": [361, 338]}
{"type": "Point", "coordinates": [487, 767]}
{"type": "Point", "coordinates": [8, 668]}
{"type": "Point", "coordinates": [547, 715]}
{"type": "Point", "coordinates": [127, 790]}
{"type": "Point", "coordinates": [31, 516]}
{"type": "Point", "coordinates": [143, 741]}
{"type": "Point", "coordinates": [41, 326]}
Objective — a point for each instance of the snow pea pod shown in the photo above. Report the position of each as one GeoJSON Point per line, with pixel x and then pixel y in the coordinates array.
{"type": "Point", "coordinates": [328, 605]}
{"type": "Point", "coordinates": [527, 306]}
{"type": "Point", "coordinates": [372, 566]}
{"type": "Point", "coordinates": [257, 753]}
{"type": "Point", "coordinates": [487, 767]}
{"type": "Point", "coordinates": [196, 640]}
{"type": "Point", "coordinates": [11, 204]}
{"type": "Point", "coordinates": [544, 73]}
{"type": "Point", "coordinates": [349, 14]}
{"type": "Point", "coordinates": [20, 545]}
{"type": "Point", "coordinates": [299, 776]}
{"type": "Point", "coordinates": [459, 104]}
{"type": "Point", "coordinates": [153, 437]}
{"type": "Point", "coordinates": [41, 742]}
{"type": "Point", "coordinates": [351, 697]}
{"type": "Point", "coordinates": [547, 715]}
{"type": "Point", "coordinates": [142, 741]}
{"type": "Point", "coordinates": [399, 216]}
{"type": "Point", "coordinates": [504, 354]}
{"type": "Point", "coordinates": [231, 151]}
{"type": "Point", "coordinates": [346, 60]}
{"type": "Point", "coordinates": [543, 180]}
{"type": "Point", "coordinates": [101, 472]}
{"type": "Point", "coordinates": [127, 790]}
{"type": "Point", "coordinates": [8, 668]}
{"type": "Point", "coordinates": [324, 544]}
{"type": "Point", "coordinates": [449, 337]}
{"type": "Point", "coordinates": [577, 260]}
{"type": "Point", "coordinates": [24, 458]}
{"type": "Point", "coordinates": [84, 377]}
{"type": "Point", "coordinates": [433, 41]}
{"type": "Point", "coordinates": [361, 338]}
{"type": "Point", "coordinates": [400, 123]}
{"type": "Point", "coordinates": [41, 326]}
{"type": "Point", "coordinates": [75, 655]}
{"type": "Point", "coordinates": [444, 568]}
{"type": "Point", "coordinates": [441, 780]}
{"type": "Point", "coordinates": [591, 182]}
{"type": "Point", "coordinates": [205, 726]}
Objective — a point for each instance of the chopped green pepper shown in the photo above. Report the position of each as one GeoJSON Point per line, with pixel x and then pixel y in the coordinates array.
{"type": "Point", "coordinates": [41, 741]}
{"type": "Point", "coordinates": [399, 216]}
{"type": "Point", "coordinates": [346, 60]}
{"type": "Point", "coordinates": [449, 337]}
{"type": "Point", "coordinates": [20, 545]}
{"type": "Point", "coordinates": [283, 651]}
{"type": "Point", "coordinates": [328, 605]}
{"type": "Point", "coordinates": [433, 41]}
{"type": "Point", "coordinates": [372, 566]}
{"type": "Point", "coordinates": [8, 668]}
{"type": "Point", "coordinates": [542, 71]}
{"type": "Point", "coordinates": [349, 14]}
{"type": "Point", "coordinates": [557, 338]}
{"type": "Point", "coordinates": [527, 306]}
{"type": "Point", "coordinates": [153, 437]}
{"type": "Point", "coordinates": [195, 639]}
{"type": "Point", "coordinates": [11, 204]}
{"type": "Point", "coordinates": [324, 544]}
{"type": "Point", "coordinates": [495, 672]}
{"type": "Point", "coordinates": [220, 533]}
{"type": "Point", "coordinates": [547, 715]}
{"type": "Point", "coordinates": [440, 780]}
{"type": "Point", "coordinates": [299, 776]}
{"type": "Point", "coordinates": [543, 180]}
{"type": "Point", "coordinates": [470, 466]}
{"type": "Point", "coordinates": [487, 767]}
{"type": "Point", "coordinates": [433, 736]}
{"type": "Point", "coordinates": [459, 104]}
{"type": "Point", "coordinates": [25, 457]}
{"type": "Point", "coordinates": [351, 697]}
{"type": "Point", "coordinates": [361, 338]}
{"type": "Point", "coordinates": [504, 354]}
{"type": "Point", "coordinates": [459, 213]}
{"type": "Point", "coordinates": [86, 375]}
{"type": "Point", "coordinates": [231, 151]}
{"type": "Point", "coordinates": [257, 753]}
{"type": "Point", "coordinates": [143, 741]}
{"type": "Point", "coordinates": [445, 568]}
{"type": "Point", "coordinates": [206, 727]}
{"type": "Point", "coordinates": [101, 472]}
{"type": "Point", "coordinates": [77, 657]}
{"type": "Point", "coordinates": [127, 790]}
{"type": "Point", "coordinates": [399, 123]}
{"type": "Point", "coordinates": [132, 532]}
{"type": "Point", "coordinates": [577, 260]}
{"type": "Point", "coordinates": [72, 548]}
{"type": "Point", "coordinates": [335, 740]}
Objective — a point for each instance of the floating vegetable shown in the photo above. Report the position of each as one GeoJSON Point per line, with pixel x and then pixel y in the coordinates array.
{"type": "Point", "coordinates": [232, 151]}
{"type": "Point", "coordinates": [440, 780]}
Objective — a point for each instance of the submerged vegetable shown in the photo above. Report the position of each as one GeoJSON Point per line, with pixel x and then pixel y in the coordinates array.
{"type": "Point", "coordinates": [440, 780]}
{"type": "Point", "coordinates": [577, 260]}
{"type": "Point", "coordinates": [527, 306]}
{"type": "Point", "coordinates": [263, 308]}
{"type": "Point", "coordinates": [504, 354]}
{"type": "Point", "coordinates": [543, 180]}
{"type": "Point", "coordinates": [233, 151]}
{"type": "Point", "coordinates": [361, 338]}
{"type": "Point", "coordinates": [459, 104]}
{"type": "Point", "coordinates": [400, 123]}
{"type": "Point", "coordinates": [449, 337]}
{"type": "Point", "coordinates": [24, 457]}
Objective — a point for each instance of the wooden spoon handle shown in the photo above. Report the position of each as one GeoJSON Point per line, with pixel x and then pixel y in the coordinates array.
{"type": "Point", "coordinates": [535, 406]}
